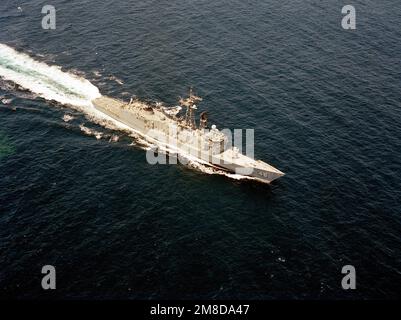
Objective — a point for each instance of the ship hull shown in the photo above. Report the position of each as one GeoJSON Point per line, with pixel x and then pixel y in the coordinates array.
{"type": "Point", "coordinates": [154, 126]}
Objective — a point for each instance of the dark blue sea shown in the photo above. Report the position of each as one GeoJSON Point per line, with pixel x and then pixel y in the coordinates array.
{"type": "Point", "coordinates": [325, 104]}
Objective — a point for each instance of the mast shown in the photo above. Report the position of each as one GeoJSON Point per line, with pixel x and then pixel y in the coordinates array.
{"type": "Point", "coordinates": [190, 104]}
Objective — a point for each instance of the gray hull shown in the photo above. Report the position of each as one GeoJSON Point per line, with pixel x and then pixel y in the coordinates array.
{"type": "Point", "coordinates": [155, 125]}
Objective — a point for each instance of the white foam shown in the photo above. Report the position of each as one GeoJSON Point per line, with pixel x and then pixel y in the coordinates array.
{"type": "Point", "coordinates": [117, 80]}
{"type": "Point", "coordinates": [68, 118]}
{"type": "Point", "coordinates": [49, 82]}
{"type": "Point", "coordinates": [90, 132]}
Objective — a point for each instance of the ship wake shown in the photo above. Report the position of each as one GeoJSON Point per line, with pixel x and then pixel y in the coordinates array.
{"type": "Point", "coordinates": [66, 88]}
{"type": "Point", "coordinates": [48, 82]}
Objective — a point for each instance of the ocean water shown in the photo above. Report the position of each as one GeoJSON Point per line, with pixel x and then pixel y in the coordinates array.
{"type": "Point", "coordinates": [325, 104]}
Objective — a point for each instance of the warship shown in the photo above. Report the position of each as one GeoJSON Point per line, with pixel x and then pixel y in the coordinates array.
{"type": "Point", "coordinates": [175, 129]}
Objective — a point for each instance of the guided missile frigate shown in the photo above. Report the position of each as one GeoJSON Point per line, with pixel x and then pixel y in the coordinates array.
{"type": "Point", "coordinates": [175, 129]}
